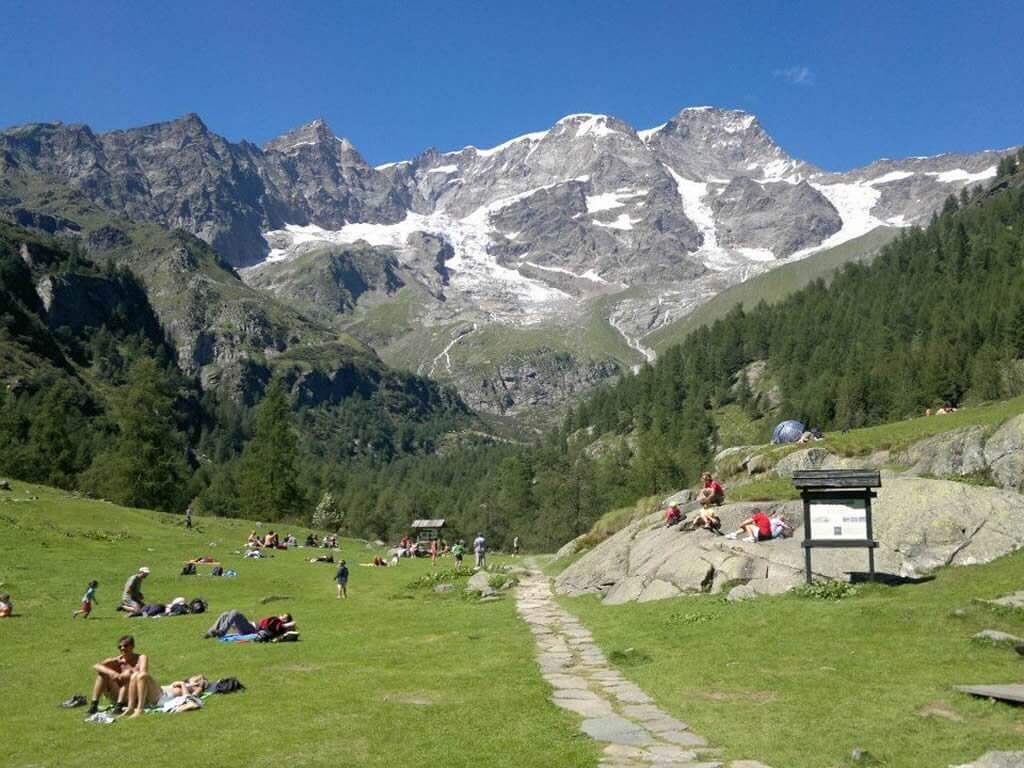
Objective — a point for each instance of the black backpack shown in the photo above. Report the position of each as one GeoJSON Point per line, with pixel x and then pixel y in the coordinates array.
{"type": "Point", "coordinates": [226, 685]}
{"type": "Point", "coordinates": [197, 605]}
{"type": "Point", "coordinates": [217, 571]}
{"type": "Point", "coordinates": [189, 569]}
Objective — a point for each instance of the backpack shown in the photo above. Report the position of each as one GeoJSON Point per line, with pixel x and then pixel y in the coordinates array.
{"type": "Point", "coordinates": [197, 605]}
{"type": "Point", "coordinates": [226, 685]}
{"type": "Point", "coordinates": [217, 571]}
{"type": "Point", "coordinates": [189, 569]}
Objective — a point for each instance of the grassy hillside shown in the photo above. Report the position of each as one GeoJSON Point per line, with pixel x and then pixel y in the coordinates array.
{"type": "Point", "coordinates": [393, 673]}
{"type": "Point", "coordinates": [774, 285]}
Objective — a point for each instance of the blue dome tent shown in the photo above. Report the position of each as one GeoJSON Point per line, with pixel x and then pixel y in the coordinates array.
{"type": "Point", "coordinates": [788, 432]}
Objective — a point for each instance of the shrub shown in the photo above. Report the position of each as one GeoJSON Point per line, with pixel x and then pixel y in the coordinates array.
{"type": "Point", "coordinates": [827, 590]}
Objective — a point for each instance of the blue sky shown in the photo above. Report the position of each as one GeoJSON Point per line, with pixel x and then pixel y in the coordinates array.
{"type": "Point", "coordinates": [835, 83]}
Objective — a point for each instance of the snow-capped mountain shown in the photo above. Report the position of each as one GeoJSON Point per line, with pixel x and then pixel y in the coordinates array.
{"type": "Point", "coordinates": [592, 206]}
{"type": "Point", "coordinates": [589, 221]}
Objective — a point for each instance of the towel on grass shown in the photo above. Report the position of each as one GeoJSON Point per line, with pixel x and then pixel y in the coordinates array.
{"type": "Point", "coordinates": [240, 638]}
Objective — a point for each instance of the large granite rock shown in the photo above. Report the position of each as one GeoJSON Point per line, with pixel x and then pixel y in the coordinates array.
{"type": "Point", "coordinates": [972, 450]}
{"type": "Point", "coordinates": [920, 525]}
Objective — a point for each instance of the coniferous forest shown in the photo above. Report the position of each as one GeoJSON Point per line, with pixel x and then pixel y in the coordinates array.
{"type": "Point", "coordinates": [937, 317]}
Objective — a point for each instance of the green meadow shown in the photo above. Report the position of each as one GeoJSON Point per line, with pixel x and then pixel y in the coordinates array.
{"type": "Point", "coordinates": [800, 682]}
{"type": "Point", "coordinates": [393, 674]}
{"type": "Point", "coordinates": [398, 672]}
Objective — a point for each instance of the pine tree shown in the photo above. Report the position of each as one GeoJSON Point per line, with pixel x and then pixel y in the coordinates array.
{"type": "Point", "coordinates": [268, 481]}
{"type": "Point", "coordinates": [145, 466]}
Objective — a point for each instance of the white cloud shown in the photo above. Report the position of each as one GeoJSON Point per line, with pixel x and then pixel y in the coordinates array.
{"type": "Point", "coordinates": [798, 75]}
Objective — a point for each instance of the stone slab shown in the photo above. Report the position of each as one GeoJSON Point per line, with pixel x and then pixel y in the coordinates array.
{"type": "Point", "coordinates": [617, 730]}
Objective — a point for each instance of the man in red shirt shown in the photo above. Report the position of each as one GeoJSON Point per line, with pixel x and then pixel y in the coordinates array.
{"type": "Point", "coordinates": [758, 527]}
{"type": "Point", "coordinates": [712, 494]}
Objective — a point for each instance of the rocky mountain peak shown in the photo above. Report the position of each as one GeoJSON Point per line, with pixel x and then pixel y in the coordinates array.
{"type": "Point", "coordinates": [721, 143]}
{"type": "Point", "coordinates": [582, 125]}
{"type": "Point", "coordinates": [189, 123]}
{"type": "Point", "coordinates": [316, 133]}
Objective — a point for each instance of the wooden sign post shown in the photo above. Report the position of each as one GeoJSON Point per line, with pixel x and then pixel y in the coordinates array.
{"type": "Point", "coordinates": [837, 510]}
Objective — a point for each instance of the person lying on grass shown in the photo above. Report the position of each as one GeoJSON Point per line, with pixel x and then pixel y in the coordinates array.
{"type": "Point", "coordinates": [144, 691]}
{"type": "Point", "coordinates": [114, 674]}
{"type": "Point", "coordinates": [235, 620]}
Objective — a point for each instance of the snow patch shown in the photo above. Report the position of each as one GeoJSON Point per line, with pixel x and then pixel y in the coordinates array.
{"type": "Point", "coordinates": [596, 126]}
{"type": "Point", "coordinates": [646, 134]}
{"type": "Point", "coordinates": [854, 203]}
{"type": "Point", "coordinates": [474, 270]}
{"type": "Point", "coordinates": [532, 138]}
{"type": "Point", "coordinates": [444, 169]}
{"type": "Point", "coordinates": [693, 194]}
{"type": "Point", "coordinates": [891, 176]}
{"type": "Point", "coordinates": [589, 274]}
{"type": "Point", "coordinates": [959, 174]}
{"type": "Point", "coordinates": [623, 222]}
{"type": "Point", "coordinates": [385, 166]}
{"type": "Point", "coordinates": [609, 200]}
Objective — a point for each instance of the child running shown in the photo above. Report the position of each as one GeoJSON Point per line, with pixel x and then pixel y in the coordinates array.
{"type": "Point", "coordinates": [87, 600]}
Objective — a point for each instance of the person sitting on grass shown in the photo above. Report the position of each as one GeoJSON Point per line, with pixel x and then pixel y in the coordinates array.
{"type": "Point", "coordinates": [254, 541]}
{"type": "Point", "coordinates": [114, 674]}
{"type": "Point", "coordinates": [235, 620]}
{"type": "Point", "coordinates": [6, 605]}
{"type": "Point", "coordinates": [757, 527]}
{"type": "Point", "coordinates": [132, 599]}
{"type": "Point", "coordinates": [712, 494]}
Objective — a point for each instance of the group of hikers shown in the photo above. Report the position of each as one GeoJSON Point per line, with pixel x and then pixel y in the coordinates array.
{"type": "Point", "coordinates": [757, 527]}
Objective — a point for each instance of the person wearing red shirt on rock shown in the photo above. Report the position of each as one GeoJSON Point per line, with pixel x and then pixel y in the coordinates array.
{"type": "Point", "coordinates": [758, 527]}
{"type": "Point", "coordinates": [712, 494]}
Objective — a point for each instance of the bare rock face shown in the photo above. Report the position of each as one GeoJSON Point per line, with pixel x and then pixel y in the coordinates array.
{"type": "Point", "coordinates": [534, 379]}
{"type": "Point", "coordinates": [920, 525]}
{"type": "Point", "coordinates": [784, 218]}
{"type": "Point", "coordinates": [970, 451]}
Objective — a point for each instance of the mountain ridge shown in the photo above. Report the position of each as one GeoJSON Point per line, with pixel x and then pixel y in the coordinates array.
{"type": "Point", "coordinates": [535, 232]}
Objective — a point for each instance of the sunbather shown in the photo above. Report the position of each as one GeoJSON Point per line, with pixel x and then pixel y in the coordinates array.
{"type": "Point", "coordinates": [114, 674]}
{"type": "Point", "coordinates": [236, 620]}
{"type": "Point", "coordinates": [144, 691]}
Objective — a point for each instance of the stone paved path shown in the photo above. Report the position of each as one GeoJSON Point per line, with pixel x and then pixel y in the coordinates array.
{"type": "Point", "coordinates": [635, 731]}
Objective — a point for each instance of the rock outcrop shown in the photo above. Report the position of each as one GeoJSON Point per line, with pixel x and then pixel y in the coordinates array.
{"type": "Point", "coordinates": [920, 525]}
